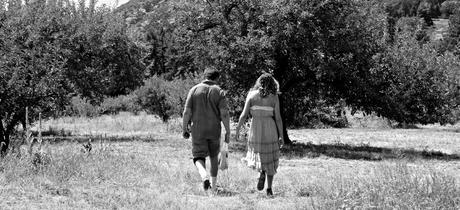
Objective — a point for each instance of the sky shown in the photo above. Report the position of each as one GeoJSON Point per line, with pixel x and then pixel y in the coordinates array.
{"type": "Point", "coordinates": [111, 2]}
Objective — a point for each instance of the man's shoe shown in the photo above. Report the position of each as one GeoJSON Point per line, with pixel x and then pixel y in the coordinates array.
{"type": "Point", "coordinates": [206, 184]}
{"type": "Point", "coordinates": [261, 183]}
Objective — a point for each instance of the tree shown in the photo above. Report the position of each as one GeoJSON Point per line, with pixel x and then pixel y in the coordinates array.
{"type": "Point", "coordinates": [101, 60]}
{"type": "Point", "coordinates": [31, 64]}
{"type": "Point", "coordinates": [448, 8]}
{"type": "Point", "coordinates": [425, 9]}
{"type": "Point", "coordinates": [453, 37]}
{"type": "Point", "coordinates": [415, 84]}
{"type": "Point", "coordinates": [324, 53]}
{"type": "Point", "coordinates": [53, 50]}
{"type": "Point", "coordinates": [313, 48]}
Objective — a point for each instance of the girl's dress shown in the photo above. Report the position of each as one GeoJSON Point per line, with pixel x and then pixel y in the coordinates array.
{"type": "Point", "coordinates": [263, 146]}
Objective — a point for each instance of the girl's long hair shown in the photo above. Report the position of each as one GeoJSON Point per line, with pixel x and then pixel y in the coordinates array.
{"type": "Point", "coordinates": [266, 84]}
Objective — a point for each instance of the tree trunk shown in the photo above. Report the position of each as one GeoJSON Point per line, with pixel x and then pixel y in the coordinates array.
{"type": "Point", "coordinates": [4, 140]}
{"type": "Point", "coordinates": [5, 144]}
{"type": "Point", "coordinates": [282, 65]}
{"type": "Point", "coordinates": [287, 140]}
{"type": "Point", "coordinates": [391, 21]}
{"type": "Point", "coordinates": [6, 130]}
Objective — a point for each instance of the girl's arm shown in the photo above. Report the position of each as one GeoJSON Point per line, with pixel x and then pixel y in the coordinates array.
{"type": "Point", "coordinates": [279, 121]}
{"type": "Point", "coordinates": [244, 114]}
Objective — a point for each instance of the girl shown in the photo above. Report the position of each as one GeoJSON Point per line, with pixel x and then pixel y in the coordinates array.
{"type": "Point", "coordinates": [265, 135]}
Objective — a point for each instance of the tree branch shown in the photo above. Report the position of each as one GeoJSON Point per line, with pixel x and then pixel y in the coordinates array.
{"type": "Point", "coordinates": [225, 13]}
{"type": "Point", "coordinates": [204, 27]}
{"type": "Point", "coordinates": [227, 10]}
{"type": "Point", "coordinates": [209, 2]}
{"type": "Point", "coordinates": [3, 140]}
{"type": "Point", "coordinates": [2, 131]}
{"type": "Point", "coordinates": [14, 120]}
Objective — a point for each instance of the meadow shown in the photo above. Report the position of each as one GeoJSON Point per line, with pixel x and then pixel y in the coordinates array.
{"type": "Point", "coordinates": [138, 162]}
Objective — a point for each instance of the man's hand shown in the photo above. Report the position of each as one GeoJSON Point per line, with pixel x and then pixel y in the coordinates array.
{"type": "Point", "coordinates": [185, 134]}
{"type": "Point", "coordinates": [227, 137]}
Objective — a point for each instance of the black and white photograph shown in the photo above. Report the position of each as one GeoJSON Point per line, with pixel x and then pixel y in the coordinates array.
{"type": "Point", "coordinates": [230, 104]}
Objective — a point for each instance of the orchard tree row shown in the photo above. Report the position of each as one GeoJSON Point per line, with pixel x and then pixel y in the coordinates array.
{"type": "Point", "coordinates": [327, 55]}
{"type": "Point", "coordinates": [51, 51]}
{"type": "Point", "coordinates": [324, 54]}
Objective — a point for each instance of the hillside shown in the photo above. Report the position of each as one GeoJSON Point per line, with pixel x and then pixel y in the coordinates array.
{"type": "Point", "coordinates": [135, 10]}
{"type": "Point", "coordinates": [440, 29]}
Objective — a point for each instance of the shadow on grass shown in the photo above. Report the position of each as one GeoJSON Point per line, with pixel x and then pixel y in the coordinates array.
{"type": "Point", "coordinates": [353, 152]}
{"type": "Point", "coordinates": [225, 193]}
{"type": "Point", "coordinates": [297, 150]}
{"type": "Point", "coordinates": [112, 139]}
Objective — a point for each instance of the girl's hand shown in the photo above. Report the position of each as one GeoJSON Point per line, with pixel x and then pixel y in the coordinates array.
{"type": "Point", "coordinates": [227, 137]}
{"type": "Point", "coordinates": [281, 142]}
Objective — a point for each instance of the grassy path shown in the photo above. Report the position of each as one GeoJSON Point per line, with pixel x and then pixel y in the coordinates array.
{"type": "Point", "coordinates": [156, 172]}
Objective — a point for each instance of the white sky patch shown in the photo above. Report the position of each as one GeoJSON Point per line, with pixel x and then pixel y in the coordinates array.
{"type": "Point", "coordinates": [111, 3]}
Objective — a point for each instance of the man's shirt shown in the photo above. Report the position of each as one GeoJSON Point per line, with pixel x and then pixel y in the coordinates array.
{"type": "Point", "coordinates": [205, 100]}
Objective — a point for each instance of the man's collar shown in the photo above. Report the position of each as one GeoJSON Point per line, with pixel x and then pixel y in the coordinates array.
{"type": "Point", "coordinates": [207, 81]}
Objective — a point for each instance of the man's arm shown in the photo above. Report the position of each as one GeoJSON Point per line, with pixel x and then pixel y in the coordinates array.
{"type": "Point", "coordinates": [279, 121]}
{"type": "Point", "coordinates": [225, 117]}
{"type": "Point", "coordinates": [186, 118]}
{"type": "Point", "coordinates": [187, 115]}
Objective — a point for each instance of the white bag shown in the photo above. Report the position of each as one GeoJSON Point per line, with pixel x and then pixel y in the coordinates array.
{"type": "Point", "coordinates": [223, 156]}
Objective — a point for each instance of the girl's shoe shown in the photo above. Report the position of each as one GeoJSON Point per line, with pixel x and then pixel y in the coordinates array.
{"type": "Point", "coordinates": [206, 185]}
{"type": "Point", "coordinates": [269, 192]}
{"type": "Point", "coordinates": [261, 183]}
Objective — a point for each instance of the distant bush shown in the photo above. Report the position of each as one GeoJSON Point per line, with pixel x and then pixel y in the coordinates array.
{"type": "Point", "coordinates": [157, 96]}
{"type": "Point", "coordinates": [162, 97]}
{"type": "Point", "coordinates": [152, 98]}
{"type": "Point", "coordinates": [123, 103]}
{"type": "Point", "coordinates": [449, 7]}
{"type": "Point", "coordinates": [82, 107]}
{"type": "Point", "coordinates": [415, 83]}
{"type": "Point", "coordinates": [322, 116]}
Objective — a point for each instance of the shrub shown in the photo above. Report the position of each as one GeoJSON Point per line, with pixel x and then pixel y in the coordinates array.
{"type": "Point", "coordinates": [123, 103]}
{"type": "Point", "coordinates": [162, 97]}
{"type": "Point", "coordinates": [448, 8]}
{"type": "Point", "coordinates": [157, 96]}
{"type": "Point", "coordinates": [152, 98]}
{"type": "Point", "coordinates": [415, 83]}
{"type": "Point", "coordinates": [322, 115]}
{"type": "Point", "coordinates": [82, 107]}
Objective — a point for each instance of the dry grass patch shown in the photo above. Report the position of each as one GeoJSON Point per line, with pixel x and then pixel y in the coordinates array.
{"type": "Point", "coordinates": [155, 171]}
{"type": "Point", "coordinates": [122, 125]}
{"type": "Point", "coordinates": [160, 174]}
{"type": "Point", "coordinates": [438, 139]}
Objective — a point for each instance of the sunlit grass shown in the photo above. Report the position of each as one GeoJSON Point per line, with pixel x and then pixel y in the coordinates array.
{"type": "Point", "coordinates": [157, 173]}
{"type": "Point", "coordinates": [123, 124]}
{"type": "Point", "coordinates": [142, 175]}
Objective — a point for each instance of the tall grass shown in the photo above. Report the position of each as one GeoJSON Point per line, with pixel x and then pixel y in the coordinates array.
{"type": "Point", "coordinates": [106, 178]}
{"type": "Point", "coordinates": [146, 175]}
{"type": "Point", "coordinates": [122, 124]}
{"type": "Point", "coordinates": [157, 173]}
{"type": "Point", "coordinates": [395, 186]}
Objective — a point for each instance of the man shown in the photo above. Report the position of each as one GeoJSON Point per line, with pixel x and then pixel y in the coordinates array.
{"type": "Point", "coordinates": [205, 108]}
